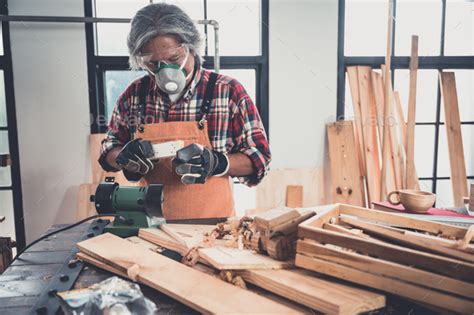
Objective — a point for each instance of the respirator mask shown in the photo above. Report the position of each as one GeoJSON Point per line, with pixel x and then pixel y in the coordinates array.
{"type": "Point", "coordinates": [170, 76]}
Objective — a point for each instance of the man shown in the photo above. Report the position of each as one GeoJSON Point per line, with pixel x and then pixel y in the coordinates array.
{"type": "Point", "coordinates": [179, 100]}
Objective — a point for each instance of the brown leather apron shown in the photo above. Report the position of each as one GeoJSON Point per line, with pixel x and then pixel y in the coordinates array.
{"type": "Point", "coordinates": [214, 199]}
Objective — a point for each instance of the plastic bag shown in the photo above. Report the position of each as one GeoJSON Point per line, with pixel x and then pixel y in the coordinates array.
{"type": "Point", "coordinates": [112, 296]}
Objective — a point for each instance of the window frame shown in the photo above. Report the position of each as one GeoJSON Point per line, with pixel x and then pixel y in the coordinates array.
{"type": "Point", "coordinates": [11, 129]}
{"type": "Point", "coordinates": [439, 63]}
{"type": "Point", "coordinates": [98, 65]}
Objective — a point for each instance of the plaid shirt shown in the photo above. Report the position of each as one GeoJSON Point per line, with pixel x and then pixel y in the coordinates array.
{"type": "Point", "coordinates": [234, 124]}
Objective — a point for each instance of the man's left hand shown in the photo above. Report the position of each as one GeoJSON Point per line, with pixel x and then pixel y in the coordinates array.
{"type": "Point", "coordinates": [195, 163]}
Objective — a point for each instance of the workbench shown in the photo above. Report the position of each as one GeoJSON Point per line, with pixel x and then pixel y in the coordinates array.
{"type": "Point", "coordinates": [24, 281]}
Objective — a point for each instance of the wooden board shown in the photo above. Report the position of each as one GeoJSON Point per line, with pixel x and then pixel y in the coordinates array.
{"type": "Point", "coordinates": [226, 258]}
{"type": "Point", "coordinates": [347, 184]}
{"type": "Point", "coordinates": [271, 192]}
{"type": "Point", "coordinates": [310, 289]}
{"type": "Point", "coordinates": [359, 134]}
{"type": "Point", "coordinates": [401, 238]}
{"type": "Point", "coordinates": [275, 217]}
{"type": "Point", "coordinates": [411, 177]}
{"type": "Point", "coordinates": [471, 199]}
{"type": "Point", "coordinates": [161, 273]}
{"type": "Point", "coordinates": [378, 87]}
{"type": "Point", "coordinates": [397, 149]}
{"type": "Point", "coordinates": [294, 196]}
{"type": "Point", "coordinates": [222, 258]}
{"type": "Point", "coordinates": [312, 229]}
{"type": "Point", "coordinates": [189, 235]}
{"type": "Point", "coordinates": [161, 238]}
{"type": "Point", "coordinates": [394, 286]}
{"type": "Point", "coordinates": [455, 144]}
{"type": "Point", "coordinates": [388, 101]}
{"type": "Point", "coordinates": [369, 129]}
{"type": "Point", "coordinates": [386, 268]}
{"type": "Point", "coordinates": [306, 288]}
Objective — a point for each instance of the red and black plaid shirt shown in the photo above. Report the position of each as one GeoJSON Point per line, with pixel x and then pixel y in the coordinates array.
{"type": "Point", "coordinates": [233, 120]}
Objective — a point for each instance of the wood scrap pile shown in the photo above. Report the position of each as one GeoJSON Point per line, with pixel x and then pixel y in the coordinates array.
{"type": "Point", "coordinates": [426, 262]}
{"type": "Point", "coordinates": [279, 286]}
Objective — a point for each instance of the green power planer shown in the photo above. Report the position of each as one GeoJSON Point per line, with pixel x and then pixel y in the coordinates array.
{"type": "Point", "coordinates": [134, 207]}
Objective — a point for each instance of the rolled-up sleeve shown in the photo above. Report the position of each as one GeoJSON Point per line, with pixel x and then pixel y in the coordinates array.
{"type": "Point", "coordinates": [117, 133]}
{"type": "Point", "coordinates": [250, 139]}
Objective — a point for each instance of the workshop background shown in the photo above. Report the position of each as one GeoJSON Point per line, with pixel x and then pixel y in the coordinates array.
{"type": "Point", "coordinates": [285, 53]}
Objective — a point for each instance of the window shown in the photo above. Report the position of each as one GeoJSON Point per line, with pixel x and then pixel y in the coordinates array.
{"type": "Point", "coordinates": [109, 73]}
{"type": "Point", "coordinates": [446, 42]}
{"type": "Point", "coordinates": [11, 206]}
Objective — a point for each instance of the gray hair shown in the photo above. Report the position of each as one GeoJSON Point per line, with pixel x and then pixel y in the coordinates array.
{"type": "Point", "coordinates": [162, 19]}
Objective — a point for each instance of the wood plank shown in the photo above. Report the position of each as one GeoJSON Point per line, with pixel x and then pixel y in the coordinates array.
{"type": "Point", "coordinates": [226, 258]}
{"type": "Point", "coordinates": [189, 235]}
{"type": "Point", "coordinates": [397, 287]}
{"type": "Point", "coordinates": [271, 192]}
{"type": "Point", "coordinates": [275, 217]}
{"type": "Point", "coordinates": [447, 266]}
{"type": "Point", "coordinates": [385, 268]}
{"type": "Point", "coordinates": [310, 289]}
{"type": "Point", "coordinates": [161, 238]}
{"type": "Point", "coordinates": [359, 135]}
{"type": "Point", "coordinates": [400, 220]}
{"type": "Point", "coordinates": [369, 129]}
{"type": "Point", "coordinates": [294, 196]}
{"type": "Point", "coordinates": [378, 87]}
{"type": "Point", "coordinates": [411, 177]}
{"type": "Point", "coordinates": [346, 180]}
{"type": "Point", "coordinates": [471, 199]}
{"type": "Point", "coordinates": [200, 268]}
{"type": "Point", "coordinates": [388, 101]}
{"type": "Point", "coordinates": [161, 273]}
{"type": "Point", "coordinates": [455, 144]}
{"type": "Point", "coordinates": [397, 148]}
{"type": "Point", "coordinates": [400, 237]}
{"type": "Point", "coordinates": [222, 258]}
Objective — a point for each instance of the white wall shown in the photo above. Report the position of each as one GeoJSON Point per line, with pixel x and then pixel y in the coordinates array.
{"type": "Point", "coordinates": [51, 93]}
{"type": "Point", "coordinates": [303, 80]}
{"type": "Point", "coordinates": [50, 72]}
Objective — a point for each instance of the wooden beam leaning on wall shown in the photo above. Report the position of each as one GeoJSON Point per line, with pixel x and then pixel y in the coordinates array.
{"type": "Point", "coordinates": [378, 87]}
{"type": "Point", "coordinates": [347, 184]}
{"type": "Point", "coordinates": [454, 135]}
{"type": "Point", "coordinates": [411, 177]}
{"type": "Point", "coordinates": [369, 129]}
{"type": "Point", "coordinates": [388, 101]}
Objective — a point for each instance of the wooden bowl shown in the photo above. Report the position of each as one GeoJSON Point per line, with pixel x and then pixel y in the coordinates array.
{"type": "Point", "coordinates": [413, 200]}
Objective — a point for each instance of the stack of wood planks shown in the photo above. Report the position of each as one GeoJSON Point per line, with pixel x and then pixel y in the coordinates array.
{"type": "Point", "coordinates": [363, 142]}
{"type": "Point", "coordinates": [429, 263]}
{"type": "Point", "coordinates": [277, 287]}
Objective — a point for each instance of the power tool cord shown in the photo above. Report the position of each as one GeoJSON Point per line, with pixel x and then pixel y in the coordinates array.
{"type": "Point", "coordinates": [61, 230]}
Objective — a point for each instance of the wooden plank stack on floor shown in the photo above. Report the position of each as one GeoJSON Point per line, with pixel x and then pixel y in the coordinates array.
{"type": "Point", "coordinates": [429, 263]}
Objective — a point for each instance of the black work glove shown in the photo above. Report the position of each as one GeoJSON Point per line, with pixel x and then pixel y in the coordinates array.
{"type": "Point", "coordinates": [136, 159]}
{"type": "Point", "coordinates": [196, 163]}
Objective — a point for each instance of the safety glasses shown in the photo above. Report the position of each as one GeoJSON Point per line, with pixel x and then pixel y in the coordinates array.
{"type": "Point", "coordinates": [177, 55]}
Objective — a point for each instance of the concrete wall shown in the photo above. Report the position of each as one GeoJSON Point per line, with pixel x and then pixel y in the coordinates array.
{"type": "Point", "coordinates": [50, 71]}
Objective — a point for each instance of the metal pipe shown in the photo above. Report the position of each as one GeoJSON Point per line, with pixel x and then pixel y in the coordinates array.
{"type": "Point", "coordinates": [215, 25]}
{"type": "Point", "coordinates": [81, 19]}
{"type": "Point", "coordinates": [60, 19]}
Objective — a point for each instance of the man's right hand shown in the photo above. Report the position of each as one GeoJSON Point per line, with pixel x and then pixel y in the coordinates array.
{"type": "Point", "coordinates": [135, 157]}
